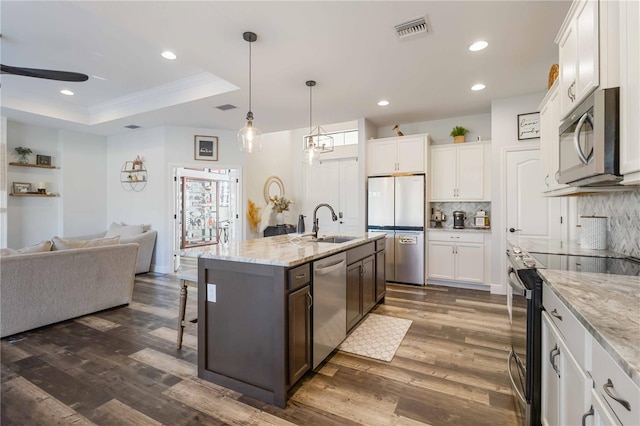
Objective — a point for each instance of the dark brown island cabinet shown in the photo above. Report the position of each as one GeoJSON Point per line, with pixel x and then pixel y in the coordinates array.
{"type": "Point", "coordinates": [255, 327]}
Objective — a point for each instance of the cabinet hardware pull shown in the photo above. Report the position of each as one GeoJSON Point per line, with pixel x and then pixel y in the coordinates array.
{"type": "Point", "coordinates": [310, 300]}
{"type": "Point", "coordinates": [623, 402]}
{"type": "Point", "coordinates": [585, 415]}
{"type": "Point", "coordinates": [513, 382]}
{"type": "Point", "coordinates": [298, 277]}
{"type": "Point", "coordinates": [552, 358]}
{"type": "Point", "coordinates": [555, 313]}
{"type": "Point", "coordinates": [546, 180]}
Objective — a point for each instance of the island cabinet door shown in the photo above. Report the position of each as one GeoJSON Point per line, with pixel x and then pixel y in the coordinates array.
{"type": "Point", "coordinates": [381, 278]}
{"type": "Point", "coordinates": [368, 284]}
{"type": "Point", "coordinates": [299, 333]}
{"type": "Point", "coordinates": [354, 305]}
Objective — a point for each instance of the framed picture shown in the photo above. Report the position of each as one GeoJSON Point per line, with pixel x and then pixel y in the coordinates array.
{"type": "Point", "coordinates": [21, 188]}
{"type": "Point", "coordinates": [206, 148]}
{"type": "Point", "coordinates": [43, 160]}
{"type": "Point", "coordinates": [528, 126]}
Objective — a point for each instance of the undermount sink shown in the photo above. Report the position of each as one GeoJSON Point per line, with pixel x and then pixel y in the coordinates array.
{"type": "Point", "coordinates": [335, 240]}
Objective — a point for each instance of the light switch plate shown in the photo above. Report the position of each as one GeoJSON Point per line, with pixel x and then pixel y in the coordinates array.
{"type": "Point", "coordinates": [211, 293]}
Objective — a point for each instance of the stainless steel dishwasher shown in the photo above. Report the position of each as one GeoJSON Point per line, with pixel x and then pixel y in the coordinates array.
{"type": "Point", "coordinates": [329, 305]}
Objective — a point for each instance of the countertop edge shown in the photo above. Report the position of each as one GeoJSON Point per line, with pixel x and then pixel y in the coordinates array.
{"type": "Point", "coordinates": [632, 372]}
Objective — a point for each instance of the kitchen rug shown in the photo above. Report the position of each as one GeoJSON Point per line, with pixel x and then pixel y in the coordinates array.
{"type": "Point", "coordinates": [378, 337]}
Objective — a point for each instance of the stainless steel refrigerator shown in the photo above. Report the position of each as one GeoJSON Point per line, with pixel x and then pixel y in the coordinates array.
{"type": "Point", "coordinates": [396, 206]}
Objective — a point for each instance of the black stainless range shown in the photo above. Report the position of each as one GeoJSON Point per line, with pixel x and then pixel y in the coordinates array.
{"type": "Point", "coordinates": [524, 301]}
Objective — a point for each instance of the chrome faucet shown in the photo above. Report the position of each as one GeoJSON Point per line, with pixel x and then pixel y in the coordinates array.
{"type": "Point", "coordinates": [316, 228]}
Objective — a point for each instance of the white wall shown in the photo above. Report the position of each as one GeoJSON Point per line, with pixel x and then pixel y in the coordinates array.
{"type": "Point", "coordinates": [504, 134]}
{"type": "Point", "coordinates": [479, 126]}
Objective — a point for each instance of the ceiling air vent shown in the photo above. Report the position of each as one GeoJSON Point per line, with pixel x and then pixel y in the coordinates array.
{"type": "Point", "coordinates": [225, 107]}
{"type": "Point", "coordinates": [132, 126]}
{"type": "Point", "coordinates": [414, 27]}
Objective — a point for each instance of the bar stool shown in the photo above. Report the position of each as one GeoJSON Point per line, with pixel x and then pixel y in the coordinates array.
{"type": "Point", "coordinates": [188, 278]}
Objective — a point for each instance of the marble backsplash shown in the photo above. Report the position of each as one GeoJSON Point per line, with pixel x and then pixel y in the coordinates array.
{"type": "Point", "coordinates": [469, 208]}
{"type": "Point", "coordinates": [623, 211]}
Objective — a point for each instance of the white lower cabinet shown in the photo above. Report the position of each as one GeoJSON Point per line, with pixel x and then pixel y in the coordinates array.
{"type": "Point", "coordinates": [566, 387]}
{"type": "Point", "coordinates": [456, 256]}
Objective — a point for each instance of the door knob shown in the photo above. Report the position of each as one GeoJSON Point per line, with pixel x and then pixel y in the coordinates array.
{"type": "Point", "coordinates": [514, 230]}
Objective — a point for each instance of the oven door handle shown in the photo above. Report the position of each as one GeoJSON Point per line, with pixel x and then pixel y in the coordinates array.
{"type": "Point", "coordinates": [517, 286]}
{"type": "Point", "coordinates": [513, 382]}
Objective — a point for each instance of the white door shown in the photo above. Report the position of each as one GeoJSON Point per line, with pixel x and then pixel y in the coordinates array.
{"type": "Point", "coordinates": [322, 185]}
{"type": "Point", "coordinates": [349, 201]}
{"type": "Point", "coordinates": [411, 155]}
{"type": "Point", "coordinates": [382, 157]}
{"type": "Point", "coordinates": [441, 258]}
{"type": "Point", "coordinates": [443, 173]}
{"type": "Point", "coordinates": [470, 262]}
{"type": "Point", "coordinates": [529, 214]}
{"type": "Point", "coordinates": [470, 168]}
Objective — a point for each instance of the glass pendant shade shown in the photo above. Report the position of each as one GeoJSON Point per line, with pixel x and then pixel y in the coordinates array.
{"type": "Point", "coordinates": [249, 137]}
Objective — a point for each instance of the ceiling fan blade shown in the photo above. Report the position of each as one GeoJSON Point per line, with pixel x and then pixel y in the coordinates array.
{"type": "Point", "coordinates": [40, 73]}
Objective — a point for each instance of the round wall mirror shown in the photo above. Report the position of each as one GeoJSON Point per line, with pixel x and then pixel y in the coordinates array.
{"type": "Point", "coordinates": [273, 186]}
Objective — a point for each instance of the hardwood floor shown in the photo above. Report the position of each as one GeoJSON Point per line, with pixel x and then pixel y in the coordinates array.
{"type": "Point", "coordinates": [121, 367]}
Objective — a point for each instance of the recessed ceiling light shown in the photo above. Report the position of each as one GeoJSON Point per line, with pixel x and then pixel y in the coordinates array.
{"type": "Point", "coordinates": [383, 102]}
{"type": "Point", "coordinates": [478, 86]}
{"type": "Point", "coordinates": [66, 92]}
{"type": "Point", "coordinates": [478, 45]}
{"type": "Point", "coordinates": [169, 55]}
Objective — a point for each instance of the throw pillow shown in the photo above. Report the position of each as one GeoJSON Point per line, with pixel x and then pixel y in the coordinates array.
{"type": "Point", "coordinates": [64, 244]}
{"type": "Point", "coordinates": [38, 248]}
{"type": "Point", "coordinates": [8, 252]}
{"type": "Point", "coordinates": [145, 228]}
{"type": "Point", "coordinates": [123, 230]}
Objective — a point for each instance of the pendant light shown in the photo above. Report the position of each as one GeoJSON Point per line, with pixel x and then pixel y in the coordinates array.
{"type": "Point", "coordinates": [249, 137]}
{"type": "Point", "coordinates": [317, 142]}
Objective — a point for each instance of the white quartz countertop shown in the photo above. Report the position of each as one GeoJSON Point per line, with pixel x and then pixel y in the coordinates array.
{"type": "Point", "coordinates": [451, 229]}
{"type": "Point", "coordinates": [608, 306]}
{"type": "Point", "coordinates": [282, 250]}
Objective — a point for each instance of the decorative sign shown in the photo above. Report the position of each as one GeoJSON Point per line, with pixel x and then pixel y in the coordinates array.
{"type": "Point", "coordinates": [410, 240]}
{"type": "Point", "coordinates": [528, 126]}
{"type": "Point", "coordinates": [206, 148]}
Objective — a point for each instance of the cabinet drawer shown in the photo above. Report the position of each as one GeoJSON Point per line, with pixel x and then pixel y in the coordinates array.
{"type": "Point", "coordinates": [298, 276]}
{"type": "Point", "coordinates": [573, 332]}
{"type": "Point", "coordinates": [360, 252]}
{"type": "Point", "coordinates": [380, 244]}
{"type": "Point", "coordinates": [456, 237]}
{"type": "Point", "coordinates": [606, 369]}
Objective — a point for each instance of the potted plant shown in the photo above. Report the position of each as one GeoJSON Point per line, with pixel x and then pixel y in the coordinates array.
{"type": "Point", "coordinates": [23, 152]}
{"type": "Point", "coordinates": [458, 133]}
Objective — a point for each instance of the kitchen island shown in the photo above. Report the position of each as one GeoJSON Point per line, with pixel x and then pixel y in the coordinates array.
{"type": "Point", "coordinates": [255, 301]}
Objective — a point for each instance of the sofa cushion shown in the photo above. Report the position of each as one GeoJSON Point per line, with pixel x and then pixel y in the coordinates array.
{"type": "Point", "coordinates": [65, 244]}
{"type": "Point", "coordinates": [8, 252]}
{"type": "Point", "coordinates": [124, 230]}
{"type": "Point", "coordinates": [37, 248]}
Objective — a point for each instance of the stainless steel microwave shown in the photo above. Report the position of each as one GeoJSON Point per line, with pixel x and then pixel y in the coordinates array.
{"type": "Point", "coordinates": [590, 141]}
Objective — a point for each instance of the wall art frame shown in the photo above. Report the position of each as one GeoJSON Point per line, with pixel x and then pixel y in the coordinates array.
{"type": "Point", "coordinates": [206, 148]}
{"type": "Point", "coordinates": [529, 126]}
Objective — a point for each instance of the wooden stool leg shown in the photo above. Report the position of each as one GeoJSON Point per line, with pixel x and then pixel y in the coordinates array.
{"type": "Point", "coordinates": [183, 305]}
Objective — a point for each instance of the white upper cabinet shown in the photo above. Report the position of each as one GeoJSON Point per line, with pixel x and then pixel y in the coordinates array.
{"type": "Point", "coordinates": [549, 139]}
{"type": "Point", "coordinates": [579, 54]}
{"type": "Point", "coordinates": [630, 92]}
{"type": "Point", "coordinates": [405, 154]}
{"type": "Point", "coordinates": [460, 172]}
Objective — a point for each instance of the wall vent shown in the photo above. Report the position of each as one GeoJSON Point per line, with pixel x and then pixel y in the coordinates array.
{"type": "Point", "coordinates": [414, 27]}
{"type": "Point", "coordinates": [225, 107]}
{"type": "Point", "coordinates": [132, 126]}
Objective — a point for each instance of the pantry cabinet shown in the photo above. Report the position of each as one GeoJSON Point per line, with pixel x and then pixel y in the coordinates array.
{"type": "Point", "coordinates": [630, 91]}
{"type": "Point", "coordinates": [405, 154]}
{"type": "Point", "coordinates": [460, 172]}
{"type": "Point", "coordinates": [579, 54]}
{"type": "Point", "coordinates": [456, 256]}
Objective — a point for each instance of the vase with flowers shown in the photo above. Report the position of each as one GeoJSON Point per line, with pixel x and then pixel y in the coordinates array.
{"type": "Point", "coordinates": [281, 204]}
{"type": "Point", "coordinates": [23, 153]}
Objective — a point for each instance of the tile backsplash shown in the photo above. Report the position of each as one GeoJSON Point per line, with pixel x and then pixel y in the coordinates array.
{"type": "Point", "coordinates": [469, 208]}
{"type": "Point", "coordinates": [623, 211]}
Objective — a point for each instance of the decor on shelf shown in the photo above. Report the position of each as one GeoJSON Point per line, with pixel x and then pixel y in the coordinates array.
{"type": "Point", "coordinates": [249, 137]}
{"type": "Point", "coordinates": [554, 72]}
{"type": "Point", "coordinates": [43, 160]}
{"type": "Point", "coordinates": [21, 188]}
{"type": "Point", "coordinates": [42, 188]}
{"type": "Point", "coordinates": [317, 141]}
{"type": "Point", "coordinates": [281, 204]}
{"type": "Point", "coordinates": [206, 147]}
{"type": "Point", "coordinates": [23, 153]}
{"type": "Point", "coordinates": [397, 130]}
{"type": "Point", "coordinates": [458, 133]}
{"type": "Point", "coordinates": [137, 162]}
{"type": "Point", "coordinates": [528, 126]}
{"type": "Point", "coordinates": [133, 175]}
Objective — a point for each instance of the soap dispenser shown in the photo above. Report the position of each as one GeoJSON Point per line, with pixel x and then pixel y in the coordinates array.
{"type": "Point", "coordinates": [301, 224]}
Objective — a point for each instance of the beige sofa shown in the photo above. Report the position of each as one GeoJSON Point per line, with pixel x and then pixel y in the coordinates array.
{"type": "Point", "coordinates": [39, 289]}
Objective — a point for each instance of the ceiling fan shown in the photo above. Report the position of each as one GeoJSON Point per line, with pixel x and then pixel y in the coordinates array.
{"type": "Point", "coordinates": [42, 73]}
